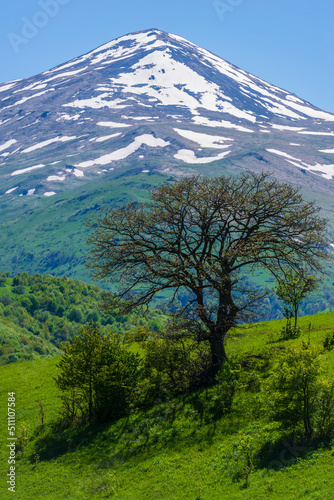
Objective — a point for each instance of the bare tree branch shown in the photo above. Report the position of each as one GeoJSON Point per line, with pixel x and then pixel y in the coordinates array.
{"type": "Point", "coordinates": [205, 236]}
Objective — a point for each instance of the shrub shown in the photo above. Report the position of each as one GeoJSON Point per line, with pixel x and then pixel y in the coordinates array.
{"type": "Point", "coordinates": [325, 413]}
{"type": "Point", "coordinates": [34, 303]}
{"type": "Point", "coordinates": [8, 311]}
{"type": "Point", "coordinates": [328, 342]}
{"type": "Point", "coordinates": [3, 350]}
{"type": "Point", "coordinates": [217, 400]}
{"type": "Point", "coordinates": [242, 461]}
{"type": "Point", "coordinates": [98, 377]}
{"type": "Point", "coordinates": [12, 358]}
{"type": "Point", "coordinates": [17, 280]}
{"type": "Point", "coordinates": [176, 365]}
{"type": "Point", "coordinates": [289, 332]}
{"type": "Point", "coordinates": [26, 303]}
{"type": "Point", "coordinates": [292, 389]}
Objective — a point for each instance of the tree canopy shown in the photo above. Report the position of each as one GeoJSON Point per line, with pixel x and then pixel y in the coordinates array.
{"type": "Point", "coordinates": [204, 235]}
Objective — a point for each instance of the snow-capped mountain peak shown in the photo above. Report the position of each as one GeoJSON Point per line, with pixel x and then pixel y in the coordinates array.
{"type": "Point", "coordinates": [156, 97]}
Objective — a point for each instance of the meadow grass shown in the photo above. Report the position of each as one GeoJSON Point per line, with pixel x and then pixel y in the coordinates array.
{"type": "Point", "coordinates": [177, 450]}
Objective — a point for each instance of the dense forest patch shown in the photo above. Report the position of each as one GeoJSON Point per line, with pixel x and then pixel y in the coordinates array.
{"type": "Point", "coordinates": [39, 312]}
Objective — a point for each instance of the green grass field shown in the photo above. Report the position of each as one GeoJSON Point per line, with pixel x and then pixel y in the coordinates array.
{"type": "Point", "coordinates": [176, 450]}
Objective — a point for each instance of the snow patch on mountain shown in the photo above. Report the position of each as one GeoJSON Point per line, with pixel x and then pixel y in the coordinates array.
{"type": "Point", "coordinates": [47, 143]}
{"type": "Point", "coordinates": [142, 118]}
{"type": "Point", "coordinates": [286, 127]}
{"type": "Point", "coordinates": [98, 102]}
{"type": "Point", "coordinates": [56, 178]}
{"type": "Point", "coordinates": [33, 86]}
{"type": "Point", "coordinates": [205, 140]}
{"type": "Point", "coordinates": [67, 117]}
{"type": "Point", "coordinates": [107, 137]}
{"type": "Point", "coordinates": [25, 99]}
{"type": "Point", "coordinates": [311, 132]}
{"type": "Point", "coordinates": [120, 154]}
{"type": "Point", "coordinates": [67, 74]}
{"type": "Point", "coordinates": [28, 169]}
{"type": "Point", "coordinates": [282, 153]}
{"type": "Point", "coordinates": [188, 156]}
{"type": "Point", "coordinates": [78, 173]}
{"type": "Point", "coordinates": [7, 144]}
{"type": "Point", "coordinates": [326, 171]}
{"type": "Point", "coordinates": [5, 87]}
{"type": "Point", "coordinates": [201, 120]}
{"type": "Point", "coordinates": [11, 190]}
{"type": "Point", "coordinates": [313, 113]}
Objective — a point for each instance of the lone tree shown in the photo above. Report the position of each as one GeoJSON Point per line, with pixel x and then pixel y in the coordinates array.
{"type": "Point", "coordinates": [205, 236]}
{"type": "Point", "coordinates": [293, 289]}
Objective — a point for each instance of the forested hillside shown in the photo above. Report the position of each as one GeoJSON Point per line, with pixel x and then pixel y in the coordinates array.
{"type": "Point", "coordinates": [39, 312]}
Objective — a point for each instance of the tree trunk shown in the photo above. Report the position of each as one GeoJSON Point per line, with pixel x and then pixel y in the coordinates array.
{"type": "Point", "coordinates": [296, 316]}
{"type": "Point", "coordinates": [226, 315]}
{"type": "Point", "coordinates": [218, 353]}
{"type": "Point", "coordinates": [90, 399]}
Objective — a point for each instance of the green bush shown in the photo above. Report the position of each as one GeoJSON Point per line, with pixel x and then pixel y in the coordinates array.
{"type": "Point", "coordinates": [175, 365]}
{"type": "Point", "coordinates": [289, 332]}
{"type": "Point", "coordinates": [324, 420]}
{"type": "Point", "coordinates": [98, 376]}
{"type": "Point", "coordinates": [12, 358]}
{"type": "Point", "coordinates": [217, 400]}
{"type": "Point", "coordinates": [328, 342]}
{"type": "Point", "coordinates": [292, 390]}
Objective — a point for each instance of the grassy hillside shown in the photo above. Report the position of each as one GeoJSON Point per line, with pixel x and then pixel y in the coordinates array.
{"type": "Point", "coordinates": [178, 450]}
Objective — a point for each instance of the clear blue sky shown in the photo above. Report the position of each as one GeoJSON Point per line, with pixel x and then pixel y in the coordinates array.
{"type": "Point", "coordinates": [289, 43]}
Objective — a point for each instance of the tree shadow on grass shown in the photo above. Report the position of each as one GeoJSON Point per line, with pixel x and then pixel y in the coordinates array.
{"type": "Point", "coordinates": [188, 420]}
{"type": "Point", "coordinates": [275, 455]}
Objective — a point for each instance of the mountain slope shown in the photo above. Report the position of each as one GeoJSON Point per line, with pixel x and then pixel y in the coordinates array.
{"type": "Point", "coordinates": [148, 102]}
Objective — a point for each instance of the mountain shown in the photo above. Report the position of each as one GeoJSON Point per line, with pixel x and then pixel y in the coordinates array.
{"type": "Point", "coordinates": [105, 126]}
